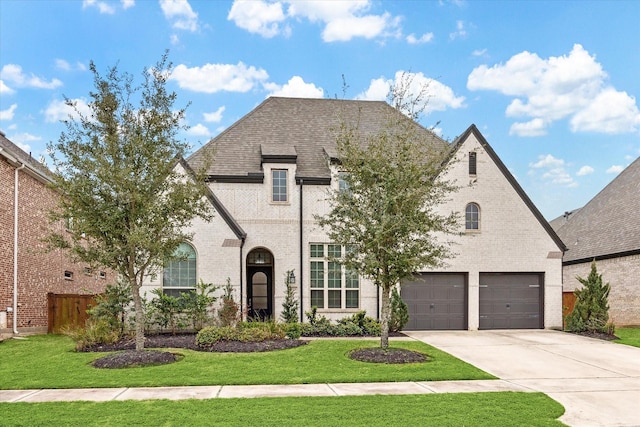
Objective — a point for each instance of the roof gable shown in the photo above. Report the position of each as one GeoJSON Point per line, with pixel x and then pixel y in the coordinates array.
{"type": "Point", "coordinates": [473, 130]}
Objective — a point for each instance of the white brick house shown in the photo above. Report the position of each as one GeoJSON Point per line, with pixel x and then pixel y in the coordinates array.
{"type": "Point", "coordinates": [269, 177]}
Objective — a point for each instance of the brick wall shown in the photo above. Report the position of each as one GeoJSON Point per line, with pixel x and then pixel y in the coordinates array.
{"type": "Point", "coordinates": [39, 271]}
{"type": "Point", "coordinates": [623, 274]}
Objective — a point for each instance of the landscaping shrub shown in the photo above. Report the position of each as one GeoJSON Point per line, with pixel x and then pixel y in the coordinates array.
{"type": "Point", "coordinates": [197, 304]}
{"type": "Point", "coordinates": [168, 310]}
{"type": "Point", "coordinates": [112, 306]}
{"type": "Point", "coordinates": [399, 312]}
{"type": "Point", "coordinates": [244, 331]}
{"type": "Point", "coordinates": [293, 330]}
{"type": "Point", "coordinates": [229, 311]}
{"type": "Point", "coordinates": [357, 324]}
{"type": "Point", "coordinates": [96, 331]}
{"type": "Point", "coordinates": [290, 305]}
{"type": "Point", "coordinates": [591, 311]}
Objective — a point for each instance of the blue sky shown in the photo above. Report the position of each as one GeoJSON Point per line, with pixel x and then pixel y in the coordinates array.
{"type": "Point", "coordinates": [552, 85]}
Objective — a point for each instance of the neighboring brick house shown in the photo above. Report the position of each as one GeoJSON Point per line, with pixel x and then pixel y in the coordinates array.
{"type": "Point", "coordinates": [607, 229]}
{"type": "Point", "coordinates": [269, 176]}
{"type": "Point", "coordinates": [23, 179]}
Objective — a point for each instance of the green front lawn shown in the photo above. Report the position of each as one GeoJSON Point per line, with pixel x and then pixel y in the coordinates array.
{"type": "Point", "coordinates": [628, 336]}
{"type": "Point", "coordinates": [49, 361]}
{"type": "Point", "coordinates": [462, 409]}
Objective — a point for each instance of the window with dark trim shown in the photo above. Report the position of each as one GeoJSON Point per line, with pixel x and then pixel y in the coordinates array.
{"type": "Point", "coordinates": [68, 275]}
{"type": "Point", "coordinates": [179, 275]}
{"type": "Point", "coordinates": [279, 185]}
{"type": "Point", "coordinates": [472, 163]}
{"type": "Point", "coordinates": [332, 285]}
{"type": "Point", "coordinates": [472, 217]}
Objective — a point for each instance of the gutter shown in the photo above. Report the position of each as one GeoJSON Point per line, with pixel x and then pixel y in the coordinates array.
{"type": "Point", "coordinates": [301, 251]}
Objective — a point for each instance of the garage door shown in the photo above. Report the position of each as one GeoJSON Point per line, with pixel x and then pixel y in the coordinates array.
{"type": "Point", "coordinates": [436, 301]}
{"type": "Point", "coordinates": [511, 301]}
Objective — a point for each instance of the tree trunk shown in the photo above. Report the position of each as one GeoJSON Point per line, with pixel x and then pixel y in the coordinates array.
{"type": "Point", "coordinates": [137, 303]}
{"type": "Point", "coordinates": [385, 314]}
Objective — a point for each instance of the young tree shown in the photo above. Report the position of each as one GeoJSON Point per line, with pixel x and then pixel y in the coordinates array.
{"type": "Point", "coordinates": [591, 312]}
{"type": "Point", "coordinates": [387, 216]}
{"type": "Point", "coordinates": [117, 169]}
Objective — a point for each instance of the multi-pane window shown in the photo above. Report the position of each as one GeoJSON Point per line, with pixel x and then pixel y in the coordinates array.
{"type": "Point", "coordinates": [279, 185]}
{"type": "Point", "coordinates": [332, 285]}
{"type": "Point", "coordinates": [180, 272]}
{"type": "Point", "coordinates": [472, 217]}
{"type": "Point", "coordinates": [343, 185]}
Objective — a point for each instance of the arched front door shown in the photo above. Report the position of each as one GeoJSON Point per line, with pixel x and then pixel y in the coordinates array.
{"type": "Point", "coordinates": [260, 284]}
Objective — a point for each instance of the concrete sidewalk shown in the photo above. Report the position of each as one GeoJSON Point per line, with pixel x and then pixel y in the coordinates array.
{"type": "Point", "coordinates": [598, 382]}
{"type": "Point", "coordinates": [249, 391]}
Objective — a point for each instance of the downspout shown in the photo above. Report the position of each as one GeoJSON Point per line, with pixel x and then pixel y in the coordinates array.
{"type": "Point", "coordinates": [15, 251]}
{"type": "Point", "coordinates": [241, 275]}
{"type": "Point", "coordinates": [300, 274]}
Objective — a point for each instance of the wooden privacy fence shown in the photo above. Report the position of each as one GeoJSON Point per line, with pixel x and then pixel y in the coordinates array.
{"type": "Point", "coordinates": [568, 303]}
{"type": "Point", "coordinates": [67, 310]}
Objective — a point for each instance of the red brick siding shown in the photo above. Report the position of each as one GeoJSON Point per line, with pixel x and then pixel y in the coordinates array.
{"type": "Point", "coordinates": [39, 271]}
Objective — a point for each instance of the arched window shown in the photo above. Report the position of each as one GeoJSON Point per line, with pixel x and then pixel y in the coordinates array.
{"type": "Point", "coordinates": [180, 271]}
{"type": "Point", "coordinates": [472, 217]}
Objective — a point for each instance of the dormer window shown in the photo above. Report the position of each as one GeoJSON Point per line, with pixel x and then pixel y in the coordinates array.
{"type": "Point", "coordinates": [279, 185]}
{"type": "Point", "coordinates": [472, 163]}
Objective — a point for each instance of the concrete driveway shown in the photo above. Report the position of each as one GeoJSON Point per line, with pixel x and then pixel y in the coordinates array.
{"type": "Point", "coordinates": [598, 382]}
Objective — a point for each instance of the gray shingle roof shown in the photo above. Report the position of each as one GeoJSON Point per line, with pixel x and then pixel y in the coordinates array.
{"type": "Point", "coordinates": [608, 224]}
{"type": "Point", "coordinates": [300, 126]}
{"type": "Point", "coordinates": [15, 152]}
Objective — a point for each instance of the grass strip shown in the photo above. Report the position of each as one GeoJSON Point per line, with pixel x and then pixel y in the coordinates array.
{"type": "Point", "coordinates": [628, 336]}
{"type": "Point", "coordinates": [459, 409]}
{"type": "Point", "coordinates": [49, 361]}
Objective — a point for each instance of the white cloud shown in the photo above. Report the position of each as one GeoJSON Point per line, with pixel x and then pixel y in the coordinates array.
{"type": "Point", "coordinates": [126, 4]}
{"type": "Point", "coordinates": [181, 15]}
{"type": "Point", "coordinates": [343, 20]}
{"type": "Point", "coordinates": [546, 162]}
{"type": "Point", "coordinates": [61, 64]}
{"type": "Point", "coordinates": [102, 6]}
{"type": "Point", "coordinates": [258, 17]}
{"type": "Point", "coordinates": [615, 169]}
{"type": "Point", "coordinates": [535, 127]}
{"type": "Point", "coordinates": [58, 110]}
{"type": "Point", "coordinates": [460, 31]}
{"type": "Point", "coordinates": [585, 170]}
{"type": "Point", "coordinates": [214, 117]}
{"type": "Point", "coordinates": [4, 89]}
{"type": "Point", "coordinates": [610, 112]}
{"type": "Point", "coordinates": [570, 86]}
{"type": "Point", "coordinates": [8, 113]}
{"type": "Point", "coordinates": [553, 171]}
{"type": "Point", "coordinates": [212, 78]}
{"type": "Point", "coordinates": [296, 88]}
{"type": "Point", "coordinates": [425, 38]}
{"type": "Point", "coordinates": [13, 73]}
{"type": "Point", "coordinates": [479, 52]}
{"type": "Point", "coordinates": [439, 96]}
{"type": "Point", "coordinates": [199, 130]}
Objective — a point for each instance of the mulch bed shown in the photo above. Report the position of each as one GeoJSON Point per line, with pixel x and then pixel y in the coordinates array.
{"type": "Point", "coordinates": [597, 335]}
{"type": "Point", "coordinates": [128, 357]}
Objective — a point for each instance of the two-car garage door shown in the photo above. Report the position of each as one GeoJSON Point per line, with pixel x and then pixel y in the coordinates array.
{"type": "Point", "coordinates": [506, 301]}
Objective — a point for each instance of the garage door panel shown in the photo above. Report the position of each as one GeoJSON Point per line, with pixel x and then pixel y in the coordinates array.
{"type": "Point", "coordinates": [436, 301]}
{"type": "Point", "coordinates": [510, 301]}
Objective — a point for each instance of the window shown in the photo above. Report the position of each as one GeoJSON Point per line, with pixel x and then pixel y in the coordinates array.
{"type": "Point", "coordinates": [68, 275]}
{"type": "Point", "coordinates": [343, 185]}
{"type": "Point", "coordinates": [472, 163]}
{"type": "Point", "coordinates": [472, 217]}
{"type": "Point", "coordinates": [279, 185]}
{"type": "Point", "coordinates": [179, 274]}
{"type": "Point", "coordinates": [332, 285]}
{"type": "Point", "coordinates": [103, 275]}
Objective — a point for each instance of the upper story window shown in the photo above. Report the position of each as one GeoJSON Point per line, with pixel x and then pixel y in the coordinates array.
{"type": "Point", "coordinates": [472, 217]}
{"type": "Point", "coordinates": [343, 185]}
{"type": "Point", "coordinates": [279, 185]}
{"type": "Point", "coordinates": [179, 274]}
{"type": "Point", "coordinates": [472, 163]}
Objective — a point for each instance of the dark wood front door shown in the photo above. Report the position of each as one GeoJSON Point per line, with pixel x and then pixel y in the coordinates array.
{"type": "Point", "coordinates": [260, 292]}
